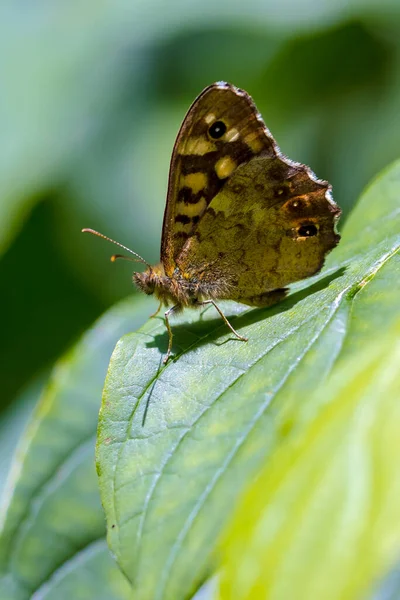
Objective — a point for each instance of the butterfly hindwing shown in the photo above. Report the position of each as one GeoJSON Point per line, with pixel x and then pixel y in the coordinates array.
{"type": "Point", "coordinates": [271, 224]}
{"type": "Point", "coordinates": [221, 131]}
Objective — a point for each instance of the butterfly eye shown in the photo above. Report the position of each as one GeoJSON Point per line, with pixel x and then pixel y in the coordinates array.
{"type": "Point", "coordinates": [307, 230]}
{"type": "Point", "coordinates": [217, 130]}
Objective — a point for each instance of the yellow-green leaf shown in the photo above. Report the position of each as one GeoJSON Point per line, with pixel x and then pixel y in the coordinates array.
{"type": "Point", "coordinates": [323, 518]}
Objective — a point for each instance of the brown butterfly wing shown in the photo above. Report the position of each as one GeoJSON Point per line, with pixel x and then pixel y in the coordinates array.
{"type": "Point", "coordinates": [271, 224]}
{"type": "Point", "coordinates": [201, 165]}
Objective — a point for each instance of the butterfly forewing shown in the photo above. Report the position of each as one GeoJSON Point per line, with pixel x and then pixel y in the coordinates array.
{"type": "Point", "coordinates": [221, 131]}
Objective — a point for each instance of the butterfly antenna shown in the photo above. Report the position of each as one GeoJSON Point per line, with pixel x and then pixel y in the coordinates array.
{"type": "Point", "coordinates": [115, 256]}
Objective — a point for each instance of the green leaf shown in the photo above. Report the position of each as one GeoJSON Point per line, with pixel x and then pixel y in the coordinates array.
{"type": "Point", "coordinates": [52, 543]}
{"type": "Point", "coordinates": [221, 407]}
{"type": "Point", "coordinates": [323, 518]}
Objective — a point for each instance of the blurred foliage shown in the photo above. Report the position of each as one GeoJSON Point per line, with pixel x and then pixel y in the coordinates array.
{"type": "Point", "coordinates": [13, 422]}
{"type": "Point", "coordinates": [52, 524]}
{"type": "Point", "coordinates": [44, 306]}
{"type": "Point", "coordinates": [336, 488]}
{"type": "Point", "coordinates": [92, 97]}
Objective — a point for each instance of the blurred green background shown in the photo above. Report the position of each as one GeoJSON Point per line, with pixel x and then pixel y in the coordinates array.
{"type": "Point", "coordinates": [92, 96]}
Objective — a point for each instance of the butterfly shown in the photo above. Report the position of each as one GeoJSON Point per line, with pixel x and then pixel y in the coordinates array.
{"type": "Point", "coordinates": [241, 221]}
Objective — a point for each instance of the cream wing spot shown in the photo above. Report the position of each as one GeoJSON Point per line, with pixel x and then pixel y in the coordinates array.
{"type": "Point", "coordinates": [198, 146]}
{"type": "Point", "coordinates": [225, 167]}
{"type": "Point", "coordinates": [232, 135]}
{"type": "Point", "coordinates": [195, 181]}
{"type": "Point", "coordinates": [253, 141]}
{"type": "Point", "coordinates": [210, 118]}
{"type": "Point", "coordinates": [193, 210]}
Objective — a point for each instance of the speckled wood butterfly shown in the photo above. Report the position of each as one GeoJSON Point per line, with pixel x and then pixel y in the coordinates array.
{"type": "Point", "coordinates": [241, 220]}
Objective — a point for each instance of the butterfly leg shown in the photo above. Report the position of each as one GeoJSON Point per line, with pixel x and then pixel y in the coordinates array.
{"type": "Point", "coordinates": [240, 337]}
{"type": "Point", "coordinates": [170, 334]}
{"type": "Point", "coordinates": [157, 311]}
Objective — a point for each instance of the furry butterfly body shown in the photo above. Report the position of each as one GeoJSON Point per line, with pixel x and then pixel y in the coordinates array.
{"type": "Point", "coordinates": [241, 220]}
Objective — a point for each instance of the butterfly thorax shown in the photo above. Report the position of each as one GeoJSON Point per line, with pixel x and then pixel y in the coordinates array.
{"type": "Point", "coordinates": [176, 289]}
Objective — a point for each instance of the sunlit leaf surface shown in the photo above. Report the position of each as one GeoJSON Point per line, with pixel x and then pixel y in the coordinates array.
{"type": "Point", "coordinates": [323, 519]}
{"type": "Point", "coordinates": [215, 413]}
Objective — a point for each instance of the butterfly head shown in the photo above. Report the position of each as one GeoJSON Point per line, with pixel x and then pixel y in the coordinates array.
{"type": "Point", "coordinates": [149, 281]}
{"type": "Point", "coordinates": [166, 289]}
